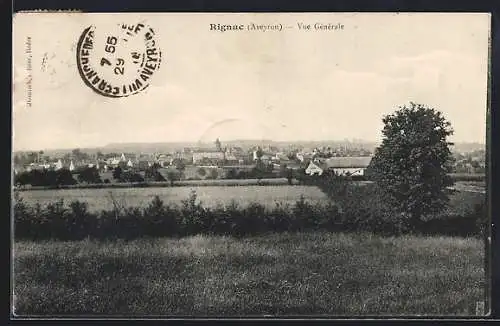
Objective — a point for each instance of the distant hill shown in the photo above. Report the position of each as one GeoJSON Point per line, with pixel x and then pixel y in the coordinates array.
{"type": "Point", "coordinates": [249, 143]}
{"type": "Point", "coordinates": [244, 143]}
{"type": "Point", "coordinates": [468, 147]}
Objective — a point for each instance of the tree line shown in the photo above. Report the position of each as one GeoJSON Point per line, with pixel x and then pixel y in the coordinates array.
{"type": "Point", "coordinates": [88, 175]}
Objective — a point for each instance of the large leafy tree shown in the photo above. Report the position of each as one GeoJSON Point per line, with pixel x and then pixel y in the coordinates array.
{"type": "Point", "coordinates": [412, 163]}
{"type": "Point", "coordinates": [89, 175]}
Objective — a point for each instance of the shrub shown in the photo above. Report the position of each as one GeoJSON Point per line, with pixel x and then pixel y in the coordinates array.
{"type": "Point", "coordinates": [361, 208]}
{"type": "Point", "coordinates": [251, 222]}
{"type": "Point", "coordinates": [232, 174]}
{"type": "Point", "coordinates": [191, 215]}
{"type": "Point", "coordinates": [277, 220]}
{"type": "Point", "coordinates": [303, 215]}
{"type": "Point", "coordinates": [159, 220]}
{"type": "Point", "coordinates": [23, 218]}
{"type": "Point", "coordinates": [48, 178]}
{"type": "Point", "coordinates": [223, 218]}
{"type": "Point", "coordinates": [213, 174]}
{"type": "Point", "coordinates": [202, 172]}
{"type": "Point", "coordinates": [79, 221]}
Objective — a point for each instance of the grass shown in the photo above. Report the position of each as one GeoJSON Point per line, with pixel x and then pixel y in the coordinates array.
{"type": "Point", "coordinates": [461, 202]}
{"type": "Point", "coordinates": [210, 196]}
{"type": "Point", "coordinates": [287, 274]}
{"type": "Point", "coordinates": [468, 176]}
{"type": "Point", "coordinates": [179, 183]}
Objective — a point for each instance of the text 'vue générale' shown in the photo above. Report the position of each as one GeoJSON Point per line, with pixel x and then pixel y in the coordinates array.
{"type": "Point", "coordinates": [276, 27]}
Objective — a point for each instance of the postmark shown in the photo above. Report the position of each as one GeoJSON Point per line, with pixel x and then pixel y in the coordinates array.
{"type": "Point", "coordinates": [118, 62]}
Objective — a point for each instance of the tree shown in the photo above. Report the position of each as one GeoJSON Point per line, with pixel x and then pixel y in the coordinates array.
{"type": "Point", "coordinates": [117, 173]}
{"type": "Point", "coordinates": [64, 177]}
{"type": "Point", "coordinates": [23, 178]}
{"type": "Point", "coordinates": [152, 174]}
{"type": "Point", "coordinates": [17, 159]}
{"type": "Point", "coordinates": [202, 172]}
{"type": "Point", "coordinates": [213, 174]}
{"type": "Point", "coordinates": [412, 163]}
{"type": "Point", "coordinates": [172, 176]}
{"type": "Point", "coordinates": [180, 166]}
{"type": "Point", "coordinates": [131, 176]}
{"type": "Point", "coordinates": [232, 174]}
{"type": "Point", "coordinates": [76, 153]}
{"type": "Point", "coordinates": [259, 153]}
{"type": "Point", "coordinates": [286, 172]}
{"type": "Point", "coordinates": [262, 170]}
{"type": "Point", "coordinates": [89, 175]}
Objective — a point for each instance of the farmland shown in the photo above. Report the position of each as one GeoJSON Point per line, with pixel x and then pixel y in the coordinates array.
{"type": "Point", "coordinates": [210, 196]}
{"type": "Point", "coordinates": [287, 273]}
{"type": "Point", "coordinates": [98, 199]}
{"type": "Point", "coordinates": [276, 274]}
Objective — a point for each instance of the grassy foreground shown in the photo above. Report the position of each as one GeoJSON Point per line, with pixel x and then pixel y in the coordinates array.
{"type": "Point", "coordinates": [278, 274]}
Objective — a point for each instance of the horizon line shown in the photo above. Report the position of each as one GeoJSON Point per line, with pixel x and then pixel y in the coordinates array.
{"type": "Point", "coordinates": [353, 140]}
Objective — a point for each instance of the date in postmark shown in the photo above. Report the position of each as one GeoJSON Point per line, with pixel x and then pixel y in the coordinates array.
{"type": "Point", "coordinates": [118, 63]}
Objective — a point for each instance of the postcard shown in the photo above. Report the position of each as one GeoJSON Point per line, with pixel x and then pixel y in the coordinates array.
{"type": "Point", "coordinates": [178, 165]}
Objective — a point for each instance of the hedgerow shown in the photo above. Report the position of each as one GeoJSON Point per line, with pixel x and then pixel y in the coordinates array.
{"type": "Point", "coordinates": [358, 209]}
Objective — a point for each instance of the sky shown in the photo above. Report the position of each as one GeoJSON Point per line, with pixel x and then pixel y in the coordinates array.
{"type": "Point", "coordinates": [281, 85]}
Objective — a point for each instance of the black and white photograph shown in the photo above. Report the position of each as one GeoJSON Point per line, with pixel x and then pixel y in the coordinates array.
{"type": "Point", "coordinates": [218, 165]}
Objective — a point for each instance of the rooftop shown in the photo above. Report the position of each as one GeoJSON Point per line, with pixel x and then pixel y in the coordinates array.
{"type": "Point", "coordinates": [348, 162]}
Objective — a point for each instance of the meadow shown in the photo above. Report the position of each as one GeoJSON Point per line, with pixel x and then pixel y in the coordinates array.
{"type": "Point", "coordinates": [461, 201]}
{"type": "Point", "coordinates": [279, 274]}
{"type": "Point", "coordinates": [210, 196]}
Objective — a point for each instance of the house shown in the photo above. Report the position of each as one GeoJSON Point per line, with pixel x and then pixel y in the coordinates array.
{"type": "Point", "coordinates": [355, 165]}
{"type": "Point", "coordinates": [58, 165]}
{"type": "Point", "coordinates": [340, 165]}
{"type": "Point", "coordinates": [314, 169]}
{"type": "Point", "coordinates": [302, 157]}
{"type": "Point", "coordinates": [210, 154]}
{"type": "Point", "coordinates": [264, 157]}
{"type": "Point", "coordinates": [280, 157]}
{"type": "Point", "coordinates": [164, 159]}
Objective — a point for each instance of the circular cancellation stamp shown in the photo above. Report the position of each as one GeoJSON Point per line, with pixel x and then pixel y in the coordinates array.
{"type": "Point", "coordinates": [119, 62]}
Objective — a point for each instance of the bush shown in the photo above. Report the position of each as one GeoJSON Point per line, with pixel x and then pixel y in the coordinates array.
{"type": "Point", "coordinates": [232, 174]}
{"type": "Point", "coordinates": [191, 215]}
{"type": "Point", "coordinates": [130, 176]}
{"type": "Point", "coordinates": [360, 208]}
{"type": "Point", "coordinates": [159, 219]}
{"type": "Point", "coordinates": [152, 174]}
{"type": "Point", "coordinates": [47, 178]}
{"type": "Point", "coordinates": [89, 175]}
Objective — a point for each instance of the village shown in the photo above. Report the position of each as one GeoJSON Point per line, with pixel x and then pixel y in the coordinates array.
{"type": "Point", "coordinates": [217, 162]}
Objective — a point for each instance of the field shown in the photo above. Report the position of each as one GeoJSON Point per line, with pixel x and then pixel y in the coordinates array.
{"type": "Point", "coordinates": [210, 196]}
{"type": "Point", "coordinates": [460, 202]}
{"type": "Point", "coordinates": [286, 274]}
